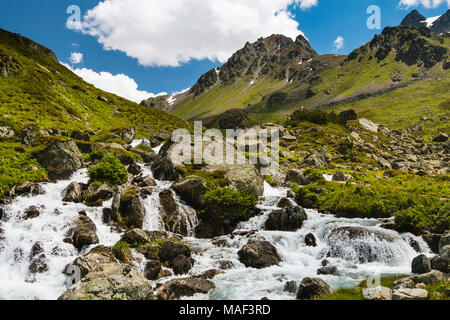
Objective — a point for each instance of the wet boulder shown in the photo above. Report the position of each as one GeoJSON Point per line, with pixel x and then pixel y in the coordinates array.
{"type": "Point", "coordinates": [132, 210]}
{"type": "Point", "coordinates": [288, 219]}
{"type": "Point", "coordinates": [259, 254]}
{"type": "Point", "coordinates": [38, 259]}
{"type": "Point", "coordinates": [182, 264]}
{"type": "Point", "coordinates": [421, 264]}
{"type": "Point", "coordinates": [103, 193]}
{"type": "Point", "coordinates": [73, 193]}
{"type": "Point", "coordinates": [152, 270]}
{"type": "Point", "coordinates": [61, 159]}
{"type": "Point", "coordinates": [137, 237]}
{"type": "Point", "coordinates": [310, 240]}
{"type": "Point", "coordinates": [27, 189]}
{"type": "Point", "coordinates": [84, 233]}
{"type": "Point", "coordinates": [169, 250]}
{"type": "Point", "coordinates": [284, 203]}
{"type": "Point", "coordinates": [329, 270]}
{"type": "Point", "coordinates": [191, 191]}
{"type": "Point", "coordinates": [290, 286]}
{"type": "Point", "coordinates": [134, 169]}
{"type": "Point", "coordinates": [312, 288]}
{"type": "Point", "coordinates": [177, 288]}
{"type": "Point", "coordinates": [32, 213]}
{"type": "Point", "coordinates": [176, 219]}
{"type": "Point", "coordinates": [87, 263]}
{"type": "Point", "coordinates": [361, 245]}
{"type": "Point", "coordinates": [442, 262]}
{"type": "Point", "coordinates": [111, 281]}
{"type": "Point", "coordinates": [163, 169]}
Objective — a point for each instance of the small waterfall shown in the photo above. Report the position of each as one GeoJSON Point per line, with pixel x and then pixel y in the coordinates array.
{"type": "Point", "coordinates": [357, 255]}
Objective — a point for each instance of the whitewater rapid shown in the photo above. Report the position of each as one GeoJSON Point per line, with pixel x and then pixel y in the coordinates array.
{"type": "Point", "coordinates": [239, 282]}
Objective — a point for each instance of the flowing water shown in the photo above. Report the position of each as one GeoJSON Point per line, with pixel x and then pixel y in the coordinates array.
{"type": "Point", "coordinates": [379, 256]}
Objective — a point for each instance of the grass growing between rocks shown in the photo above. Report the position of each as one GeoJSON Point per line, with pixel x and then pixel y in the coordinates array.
{"type": "Point", "coordinates": [417, 203]}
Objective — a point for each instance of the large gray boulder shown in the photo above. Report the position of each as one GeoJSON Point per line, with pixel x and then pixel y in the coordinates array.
{"type": "Point", "coordinates": [61, 159]}
{"type": "Point", "coordinates": [84, 233]}
{"type": "Point", "coordinates": [259, 254]}
{"type": "Point", "coordinates": [127, 134]}
{"type": "Point", "coordinates": [191, 191]}
{"type": "Point", "coordinates": [73, 193]}
{"type": "Point", "coordinates": [296, 176]}
{"type": "Point", "coordinates": [312, 288]}
{"type": "Point", "coordinates": [320, 158]}
{"type": "Point", "coordinates": [111, 281]}
{"type": "Point", "coordinates": [245, 178]}
{"type": "Point", "coordinates": [176, 219]}
{"type": "Point", "coordinates": [133, 211]}
{"type": "Point", "coordinates": [421, 265]}
{"type": "Point", "coordinates": [87, 263]}
{"type": "Point", "coordinates": [378, 293]}
{"type": "Point", "coordinates": [287, 219]}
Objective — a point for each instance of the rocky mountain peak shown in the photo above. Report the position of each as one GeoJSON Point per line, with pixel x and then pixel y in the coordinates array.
{"type": "Point", "coordinates": [271, 56]}
{"type": "Point", "coordinates": [442, 25]}
{"type": "Point", "coordinates": [414, 19]}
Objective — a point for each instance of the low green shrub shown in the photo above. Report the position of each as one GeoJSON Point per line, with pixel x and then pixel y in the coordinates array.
{"type": "Point", "coordinates": [228, 201]}
{"type": "Point", "coordinates": [110, 170]}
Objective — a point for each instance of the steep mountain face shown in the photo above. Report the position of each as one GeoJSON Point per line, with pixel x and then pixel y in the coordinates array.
{"type": "Point", "coordinates": [414, 19]}
{"type": "Point", "coordinates": [439, 25]}
{"type": "Point", "coordinates": [276, 56]}
{"type": "Point", "coordinates": [275, 76]}
{"type": "Point", "coordinates": [442, 25]}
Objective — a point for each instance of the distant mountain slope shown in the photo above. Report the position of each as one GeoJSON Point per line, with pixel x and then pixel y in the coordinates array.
{"type": "Point", "coordinates": [36, 88]}
{"type": "Point", "coordinates": [286, 75]}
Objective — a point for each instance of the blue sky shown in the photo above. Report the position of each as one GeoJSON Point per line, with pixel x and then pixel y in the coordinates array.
{"type": "Point", "coordinates": [169, 54]}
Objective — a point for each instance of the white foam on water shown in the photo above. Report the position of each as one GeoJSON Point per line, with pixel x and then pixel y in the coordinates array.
{"type": "Point", "coordinates": [298, 260]}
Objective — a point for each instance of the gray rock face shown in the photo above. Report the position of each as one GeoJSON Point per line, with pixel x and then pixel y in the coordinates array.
{"type": "Point", "coordinates": [133, 211]}
{"type": "Point", "coordinates": [163, 169]}
{"type": "Point", "coordinates": [320, 158]}
{"type": "Point", "coordinates": [410, 294]}
{"type": "Point", "coordinates": [444, 241]}
{"type": "Point", "coordinates": [442, 25]}
{"type": "Point", "coordinates": [311, 288]}
{"type": "Point", "coordinates": [61, 159]}
{"type": "Point", "coordinates": [245, 178]}
{"type": "Point", "coordinates": [288, 219]}
{"type": "Point", "coordinates": [97, 256]}
{"type": "Point", "coordinates": [177, 288]}
{"type": "Point", "coordinates": [176, 218]}
{"type": "Point", "coordinates": [85, 232]}
{"type": "Point", "coordinates": [421, 264]}
{"type": "Point", "coordinates": [6, 133]}
{"type": "Point", "coordinates": [111, 281]}
{"type": "Point", "coordinates": [413, 19]}
{"type": "Point", "coordinates": [191, 191]}
{"type": "Point", "coordinates": [73, 193]}
{"type": "Point", "coordinates": [442, 262]}
{"type": "Point", "coordinates": [127, 134]}
{"type": "Point", "coordinates": [259, 254]}
{"type": "Point", "coordinates": [296, 176]}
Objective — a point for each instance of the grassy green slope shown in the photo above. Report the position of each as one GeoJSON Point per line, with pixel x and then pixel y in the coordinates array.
{"type": "Point", "coordinates": [41, 91]}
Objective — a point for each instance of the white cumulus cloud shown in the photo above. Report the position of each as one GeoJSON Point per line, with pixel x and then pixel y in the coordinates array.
{"type": "Point", "coordinates": [425, 3]}
{"type": "Point", "coordinates": [338, 43]}
{"type": "Point", "coordinates": [172, 32]}
{"type": "Point", "coordinates": [76, 57]}
{"type": "Point", "coordinates": [119, 84]}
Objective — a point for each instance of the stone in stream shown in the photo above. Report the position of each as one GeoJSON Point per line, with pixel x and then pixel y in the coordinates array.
{"type": "Point", "coordinates": [290, 286]}
{"type": "Point", "coordinates": [288, 219]}
{"type": "Point", "coordinates": [169, 250]}
{"type": "Point", "coordinates": [310, 240]}
{"type": "Point", "coordinates": [182, 264]}
{"type": "Point", "coordinates": [259, 254]}
{"type": "Point", "coordinates": [176, 219]}
{"type": "Point", "coordinates": [85, 232]}
{"type": "Point", "coordinates": [284, 203]}
{"type": "Point", "coordinates": [132, 209]}
{"type": "Point", "coordinates": [38, 259]}
{"type": "Point", "coordinates": [312, 288]}
{"type": "Point", "coordinates": [421, 264]}
{"type": "Point", "coordinates": [329, 270]}
{"type": "Point", "coordinates": [73, 193]}
{"type": "Point", "coordinates": [32, 213]}
{"type": "Point", "coordinates": [87, 263]}
{"type": "Point", "coordinates": [192, 191]}
{"type": "Point", "coordinates": [177, 288]}
{"type": "Point", "coordinates": [152, 270]}
{"type": "Point", "coordinates": [27, 189]}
